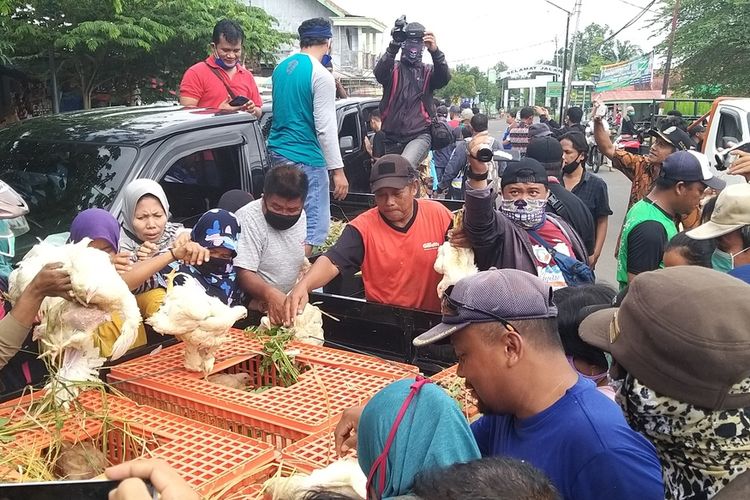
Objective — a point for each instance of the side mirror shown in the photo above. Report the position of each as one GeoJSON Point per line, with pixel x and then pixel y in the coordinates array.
{"type": "Point", "coordinates": [346, 144]}
{"type": "Point", "coordinates": [729, 142]}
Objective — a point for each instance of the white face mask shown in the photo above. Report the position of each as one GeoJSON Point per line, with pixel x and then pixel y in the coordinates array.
{"type": "Point", "coordinates": [527, 213]}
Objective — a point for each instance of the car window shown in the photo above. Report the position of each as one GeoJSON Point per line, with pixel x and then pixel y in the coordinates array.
{"type": "Point", "coordinates": [729, 126]}
{"type": "Point", "coordinates": [59, 179]}
{"type": "Point", "coordinates": [350, 127]}
{"type": "Point", "coordinates": [195, 182]}
{"type": "Point", "coordinates": [366, 117]}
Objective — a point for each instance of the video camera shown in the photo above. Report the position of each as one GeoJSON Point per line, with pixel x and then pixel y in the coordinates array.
{"type": "Point", "coordinates": [400, 34]}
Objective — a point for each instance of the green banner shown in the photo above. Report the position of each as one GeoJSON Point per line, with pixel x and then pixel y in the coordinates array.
{"type": "Point", "coordinates": [554, 89]}
{"type": "Point", "coordinates": [625, 74]}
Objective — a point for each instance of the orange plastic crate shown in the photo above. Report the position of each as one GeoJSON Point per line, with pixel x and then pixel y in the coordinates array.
{"type": "Point", "coordinates": [239, 345]}
{"type": "Point", "coordinates": [448, 379]}
{"type": "Point", "coordinates": [316, 451]}
{"type": "Point", "coordinates": [251, 488]}
{"type": "Point", "coordinates": [207, 457]}
{"type": "Point", "coordinates": [280, 415]}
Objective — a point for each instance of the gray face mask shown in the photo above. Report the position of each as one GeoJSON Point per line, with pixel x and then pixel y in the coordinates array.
{"type": "Point", "coordinates": [527, 213]}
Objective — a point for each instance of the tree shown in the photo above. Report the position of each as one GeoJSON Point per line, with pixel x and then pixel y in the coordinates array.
{"type": "Point", "coordinates": [592, 52]}
{"type": "Point", "coordinates": [118, 45]}
{"type": "Point", "coordinates": [711, 52]}
{"type": "Point", "coordinates": [461, 85]}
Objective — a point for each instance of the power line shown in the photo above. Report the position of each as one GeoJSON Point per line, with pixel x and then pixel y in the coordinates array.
{"type": "Point", "coordinates": [632, 21]}
{"type": "Point", "coordinates": [507, 51]}
{"type": "Point", "coordinates": [631, 4]}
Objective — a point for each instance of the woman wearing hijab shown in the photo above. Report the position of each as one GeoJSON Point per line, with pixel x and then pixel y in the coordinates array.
{"type": "Point", "coordinates": [102, 228]}
{"type": "Point", "coordinates": [217, 231]}
{"type": "Point", "coordinates": [409, 427]}
{"type": "Point", "coordinates": [153, 242]}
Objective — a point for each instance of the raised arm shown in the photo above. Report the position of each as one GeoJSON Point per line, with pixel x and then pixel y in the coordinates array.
{"type": "Point", "coordinates": [603, 142]}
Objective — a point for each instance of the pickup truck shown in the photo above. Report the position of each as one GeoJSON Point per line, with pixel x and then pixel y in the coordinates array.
{"type": "Point", "coordinates": [64, 163]}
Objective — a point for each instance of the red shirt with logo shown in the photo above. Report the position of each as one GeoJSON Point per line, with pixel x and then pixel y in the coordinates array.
{"type": "Point", "coordinates": [397, 263]}
{"type": "Point", "coordinates": [200, 82]}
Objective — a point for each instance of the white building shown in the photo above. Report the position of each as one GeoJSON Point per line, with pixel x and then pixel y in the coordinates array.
{"type": "Point", "coordinates": [357, 40]}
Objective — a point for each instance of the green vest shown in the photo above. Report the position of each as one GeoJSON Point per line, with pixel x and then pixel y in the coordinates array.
{"type": "Point", "coordinates": [642, 211]}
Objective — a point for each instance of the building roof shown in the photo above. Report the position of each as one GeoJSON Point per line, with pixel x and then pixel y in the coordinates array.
{"type": "Point", "coordinates": [328, 4]}
{"type": "Point", "coordinates": [359, 21]}
{"type": "Point", "coordinates": [628, 95]}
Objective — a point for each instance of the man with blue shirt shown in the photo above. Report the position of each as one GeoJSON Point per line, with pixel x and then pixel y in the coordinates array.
{"type": "Point", "coordinates": [536, 408]}
{"type": "Point", "coordinates": [305, 130]}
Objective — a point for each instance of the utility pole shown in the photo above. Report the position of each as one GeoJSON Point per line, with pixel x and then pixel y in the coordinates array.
{"type": "Point", "coordinates": [565, 56]}
{"type": "Point", "coordinates": [668, 65]}
{"type": "Point", "coordinates": [577, 12]}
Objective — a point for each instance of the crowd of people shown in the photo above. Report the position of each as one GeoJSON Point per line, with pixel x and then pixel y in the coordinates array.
{"type": "Point", "coordinates": [586, 391]}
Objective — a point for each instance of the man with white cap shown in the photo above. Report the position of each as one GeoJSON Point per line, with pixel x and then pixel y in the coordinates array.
{"type": "Point", "coordinates": [730, 227]}
{"type": "Point", "coordinates": [651, 223]}
{"type": "Point", "coordinates": [502, 324]}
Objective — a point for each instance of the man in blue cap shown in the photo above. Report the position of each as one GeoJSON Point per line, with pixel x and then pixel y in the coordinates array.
{"type": "Point", "coordinates": [304, 132]}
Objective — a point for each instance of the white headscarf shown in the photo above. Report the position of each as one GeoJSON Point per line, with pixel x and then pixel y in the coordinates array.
{"type": "Point", "coordinates": [133, 193]}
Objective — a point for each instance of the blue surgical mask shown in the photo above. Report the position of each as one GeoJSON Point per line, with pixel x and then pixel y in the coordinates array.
{"type": "Point", "coordinates": [327, 59]}
{"type": "Point", "coordinates": [220, 63]}
{"type": "Point", "coordinates": [724, 262]}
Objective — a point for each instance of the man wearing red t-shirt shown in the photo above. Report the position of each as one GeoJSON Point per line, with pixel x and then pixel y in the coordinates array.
{"type": "Point", "coordinates": [509, 237]}
{"type": "Point", "coordinates": [394, 244]}
{"type": "Point", "coordinates": [221, 81]}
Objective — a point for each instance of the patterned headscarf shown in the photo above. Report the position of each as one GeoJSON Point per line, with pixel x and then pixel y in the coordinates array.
{"type": "Point", "coordinates": [216, 229]}
{"type": "Point", "coordinates": [701, 450]}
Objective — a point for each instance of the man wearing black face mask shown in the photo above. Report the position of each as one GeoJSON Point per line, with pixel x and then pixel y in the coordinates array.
{"type": "Point", "coordinates": [270, 250]}
{"type": "Point", "coordinates": [408, 87]}
{"type": "Point", "coordinates": [587, 186]}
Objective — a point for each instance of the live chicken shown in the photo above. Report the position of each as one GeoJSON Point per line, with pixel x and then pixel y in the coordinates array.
{"type": "Point", "coordinates": [199, 320]}
{"type": "Point", "coordinates": [67, 327]}
{"type": "Point", "coordinates": [454, 263]}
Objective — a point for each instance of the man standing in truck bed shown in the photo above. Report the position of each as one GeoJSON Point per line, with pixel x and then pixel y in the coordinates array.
{"type": "Point", "coordinates": [305, 131]}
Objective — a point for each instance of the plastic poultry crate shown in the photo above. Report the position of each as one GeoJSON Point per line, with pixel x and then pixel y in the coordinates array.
{"type": "Point", "coordinates": [207, 457]}
{"type": "Point", "coordinates": [456, 387]}
{"type": "Point", "coordinates": [251, 488]}
{"type": "Point", "coordinates": [316, 451]}
{"type": "Point", "coordinates": [239, 345]}
{"type": "Point", "coordinates": [279, 415]}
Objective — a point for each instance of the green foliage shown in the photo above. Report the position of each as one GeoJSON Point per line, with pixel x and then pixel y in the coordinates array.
{"type": "Point", "coordinates": [118, 45]}
{"type": "Point", "coordinates": [592, 52]}
{"type": "Point", "coordinates": [467, 81]}
{"type": "Point", "coordinates": [711, 52]}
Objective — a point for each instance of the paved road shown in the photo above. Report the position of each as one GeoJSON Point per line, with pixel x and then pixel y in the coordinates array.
{"type": "Point", "coordinates": [619, 189]}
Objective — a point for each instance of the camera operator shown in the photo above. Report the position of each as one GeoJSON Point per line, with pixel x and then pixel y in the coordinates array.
{"type": "Point", "coordinates": [408, 87]}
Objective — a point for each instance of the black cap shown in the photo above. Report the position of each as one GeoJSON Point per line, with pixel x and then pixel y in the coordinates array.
{"type": "Point", "coordinates": [526, 170]}
{"type": "Point", "coordinates": [674, 136]}
{"type": "Point", "coordinates": [545, 150]}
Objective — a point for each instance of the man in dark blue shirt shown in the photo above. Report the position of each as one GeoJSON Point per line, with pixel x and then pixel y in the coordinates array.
{"type": "Point", "coordinates": [536, 408]}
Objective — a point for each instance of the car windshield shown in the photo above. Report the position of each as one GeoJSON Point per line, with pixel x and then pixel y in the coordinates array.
{"type": "Point", "coordinates": [59, 179]}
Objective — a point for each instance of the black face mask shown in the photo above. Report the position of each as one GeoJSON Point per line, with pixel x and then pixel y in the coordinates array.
{"type": "Point", "coordinates": [571, 167]}
{"type": "Point", "coordinates": [280, 222]}
{"type": "Point", "coordinates": [215, 266]}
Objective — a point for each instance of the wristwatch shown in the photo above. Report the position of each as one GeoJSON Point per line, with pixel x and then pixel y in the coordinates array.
{"type": "Point", "coordinates": [477, 177]}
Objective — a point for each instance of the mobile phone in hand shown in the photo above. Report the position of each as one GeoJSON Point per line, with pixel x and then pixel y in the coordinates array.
{"type": "Point", "coordinates": [239, 100]}
{"type": "Point", "coordinates": [55, 490]}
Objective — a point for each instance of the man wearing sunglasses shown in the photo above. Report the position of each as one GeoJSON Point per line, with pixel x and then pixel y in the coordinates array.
{"type": "Point", "coordinates": [536, 408]}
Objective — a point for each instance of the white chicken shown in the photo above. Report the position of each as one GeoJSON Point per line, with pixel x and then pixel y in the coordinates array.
{"type": "Point", "coordinates": [196, 318]}
{"type": "Point", "coordinates": [452, 262]}
{"type": "Point", "coordinates": [342, 476]}
{"type": "Point", "coordinates": [67, 328]}
{"type": "Point", "coordinates": [308, 326]}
